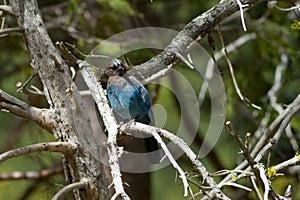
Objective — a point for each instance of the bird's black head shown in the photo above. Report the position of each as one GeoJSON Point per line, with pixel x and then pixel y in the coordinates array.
{"type": "Point", "coordinates": [116, 68]}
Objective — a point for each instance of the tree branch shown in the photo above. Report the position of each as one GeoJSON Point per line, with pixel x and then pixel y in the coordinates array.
{"type": "Point", "coordinates": [288, 163]}
{"type": "Point", "coordinates": [217, 56]}
{"type": "Point", "coordinates": [244, 99]}
{"type": "Point", "coordinates": [4, 10]}
{"type": "Point", "coordinates": [62, 147]}
{"type": "Point", "coordinates": [264, 144]}
{"type": "Point", "coordinates": [264, 179]}
{"type": "Point", "coordinates": [81, 184]}
{"type": "Point", "coordinates": [44, 117]}
{"type": "Point", "coordinates": [195, 30]}
{"type": "Point", "coordinates": [110, 123]}
{"type": "Point", "coordinates": [10, 30]}
{"type": "Point", "coordinates": [45, 173]}
{"type": "Point", "coordinates": [278, 125]}
{"type": "Point", "coordinates": [135, 126]}
{"type": "Point", "coordinates": [18, 107]}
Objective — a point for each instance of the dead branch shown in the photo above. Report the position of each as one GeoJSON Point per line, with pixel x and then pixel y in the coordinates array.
{"type": "Point", "coordinates": [135, 126]}
{"type": "Point", "coordinates": [81, 184]}
{"type": "Point", "coordinates": [195, 30]}
{"type": "Point", "coordinates": [110, 123]}
{"type": "Point", "coordinates": [45, 173]}
{"type": "Point", "coordinates": [62, 147]}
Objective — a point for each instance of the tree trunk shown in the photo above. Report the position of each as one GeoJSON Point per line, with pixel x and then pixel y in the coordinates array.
{"type": "Point", "coordinates": [67, 110]}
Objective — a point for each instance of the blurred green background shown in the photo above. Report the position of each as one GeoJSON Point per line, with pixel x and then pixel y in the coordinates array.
{"type": "Point", "coordinates": [86, 23]}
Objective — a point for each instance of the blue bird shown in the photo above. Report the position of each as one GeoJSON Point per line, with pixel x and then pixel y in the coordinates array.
{"type": "Point", "coordinates": [130, 101]}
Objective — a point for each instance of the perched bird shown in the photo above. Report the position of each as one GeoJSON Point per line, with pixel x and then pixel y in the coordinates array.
{"type": "Point", "coordinates": [130, 101]}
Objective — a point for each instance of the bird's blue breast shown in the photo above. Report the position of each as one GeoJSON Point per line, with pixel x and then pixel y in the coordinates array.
{"type": "Point", "coordinates": [129, 99]}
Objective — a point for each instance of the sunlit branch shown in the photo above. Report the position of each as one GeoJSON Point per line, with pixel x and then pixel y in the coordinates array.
{"type": "Point", "coordinates": [110, 123]}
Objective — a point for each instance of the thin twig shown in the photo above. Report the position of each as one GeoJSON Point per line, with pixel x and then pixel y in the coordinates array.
{"type": "Point", "coordinates": [238, 186]}
{"type": "Point", "coordinates": [275, 130]}
{"type": "Point", "coordinates": [12, 104]}
{"type": "Point", "coordinates": [288, 193]}
{"type": "Point", "coordinates": [240, 143]}
{"type": "Point", "coordinates": [245, 151]}
{"type": "Point", "coordinates": [10, 30]}
{"type": "Point", "coordinates": [217, 56]}
{"type": "Point", "coordinates": [264, 179]}
{"type": "Point", "coordinates": [22, 86]}
{"type": "Point", "coordinates": [270, 131]}
{"type": "Point", "coordinates": [291, 162]}
{"type": "Point", "coordinates": [297, 7]}
{"type": "Point", "coordinates": [254, 185]}
{"type": "Point", "coordinates": [62, 147]}
{"type": "Point", "coordinates": [81, 184]}
{"type": "Point", "coordinates": [244, 99]}
{"type": "Point", "coordinates": [272, 95]}
{"type": "Point", "coordinates": [186, 186]}
{"type": "Point", "coordinates": [186, 61]}
{"type": "Point", "coordinates": [241, 6]}
{"type": "Point", "coordinates": [195, 30]}
{"type": "Point", "coordinates": [226, 171]}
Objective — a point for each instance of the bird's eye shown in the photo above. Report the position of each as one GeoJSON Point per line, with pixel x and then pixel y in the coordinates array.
{"type": "Point", "coordinates": [116, 63]}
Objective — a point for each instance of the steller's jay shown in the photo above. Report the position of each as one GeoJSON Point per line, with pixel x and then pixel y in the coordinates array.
{"type": "Point", "coordinates": [130, 101]}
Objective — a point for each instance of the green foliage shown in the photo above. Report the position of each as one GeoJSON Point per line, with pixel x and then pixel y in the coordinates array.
{"type": "Point", "coordinates": [295, 25]}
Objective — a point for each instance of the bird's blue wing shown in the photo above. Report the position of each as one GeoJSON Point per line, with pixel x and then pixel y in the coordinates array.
{"type": "Point", "coordinates": [118, 92]}
{"type": "Point", "coordinates": [143, 100]}
{"type": "Point", "coordinates": [130, 99]}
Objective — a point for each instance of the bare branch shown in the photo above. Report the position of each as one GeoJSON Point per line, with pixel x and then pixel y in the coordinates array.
{"type": "Point", "coordinates": [186, 61]}
{"type": "Point", "coordinates": [175, 164]}
{"type": "Point", "coordinates": [254, 185]}
{"type": "Point", "coordinates": [288, 193]}
{"type": "Point", "coordinates": [278, 125]}
{"type": "Point", "coordinates": [290, 111]}
{"type": "Point", "coordinates": [135, 126]}
{"type": "Point", "coordinates": [291, 162]}
{"type": "Point", "coordinates": [264, 179]}
{"type": "Point", "coordinates": [217, 56]}
{"type": "Point", "coordinates": [18, 107]}
{"type": "Point", "coordinates": [43, 117]}
{"type": "Point", "coordinates": [81, 184]}
{"type": "Point", "coordinates": [296, 7]}
{"type": "Point", "coordinates": [272, 94]}
{"type": "Point", "coordinates": [244, 99]}
{"type": "Point", "coordinates": [21, 86]}
{"type": "Point", "coordinates": [62, 147]}
{"type": "Point", "coordinates": [10, 30]}
{"type": "Point", "coordinates": [5, 9]}
{"type": "Point", "coordinates": [240, 143]}
{"type": "Point", "coordinates": [68, 111]}
{"type": "Point", "coordinates": [238, 186]}
{"type": "Point", "coordinates": [241, 7]}
{"type": "Point", "coordinates": [195, 30]}
{"type": "Point", "coordinates": [45, 173]}
{"type": "Point", "coordinates": [110, 123]}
